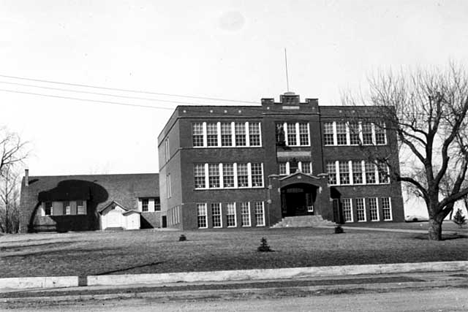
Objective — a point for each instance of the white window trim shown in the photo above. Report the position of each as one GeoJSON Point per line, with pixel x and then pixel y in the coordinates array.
{"type": "Point", "coordinates": [263, 214]}
{"type": "Point", "coordinates": [205, 215]}
{"type": "Point", "coordinates": [365, 210]}
{"type": "Point", "coordinates": [376, 207]}
{"type": "Point", "coordinates": [233, 134]}
{"type": "Point", "coordinates": [235, 215]}
{"type": "Point", "coordinates": [351, 209]}
{"type": "Point", "coordinates": [249, 215]}
{"type": "Point", "coordinates": [220, 216]}
{"type": "Point", "coordinates": [390, 209]}
{"type": "Point", "coordinates": [361, 135]}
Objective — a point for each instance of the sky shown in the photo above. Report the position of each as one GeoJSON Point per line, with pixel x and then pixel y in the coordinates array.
{"type": "Point", "coordinates": [190, 52]}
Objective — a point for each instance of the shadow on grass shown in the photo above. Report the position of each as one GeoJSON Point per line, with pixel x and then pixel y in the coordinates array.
{"type": "Point", "coordinates": [23, 247]}
{"type": "Point", "coordinates": [444, 237]}
{"type": "Point", "coordinates": [61, 252]}
{"type": "Point", "coordinates": [131, 268]}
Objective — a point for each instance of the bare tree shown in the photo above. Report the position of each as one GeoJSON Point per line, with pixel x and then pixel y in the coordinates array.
{"type": "Point", "coordinates": [427, 108]}
{"type": "Point", "coordinates": [12, 153]}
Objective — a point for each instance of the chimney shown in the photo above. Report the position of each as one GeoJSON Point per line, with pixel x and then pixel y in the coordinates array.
{"type": "Point", "coordinates": [26, 177]}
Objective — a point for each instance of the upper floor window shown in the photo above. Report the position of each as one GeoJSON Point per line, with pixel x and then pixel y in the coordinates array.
{"type": "Point", "coordinates": [293, 134]}
{"type": "Point", "coordinates": [149, 204]}
{"type": "Point", "coordinates": [226, 134]}
{"type": "Point", "coordinates": [354, 133]}
{"type": "Point", "coordinates": [289, 168]}
{"type": "Point", "coordinates": [144, 204]}
{"type": "Point", "coordinates": [228, 175]}
{"type": "Point", "coordinates": [61, 208]}
{"type": "Point", "coordinates": [357, 172]}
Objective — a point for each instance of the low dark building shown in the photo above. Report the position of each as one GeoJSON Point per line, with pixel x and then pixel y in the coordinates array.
{"type": "Point", "coordinates": [89, 202]}
{"type": "Point", "coordinates": [252, 166]}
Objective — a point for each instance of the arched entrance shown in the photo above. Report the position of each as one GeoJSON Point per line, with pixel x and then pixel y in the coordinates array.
{"type": "Point", "coordinates": [298, 199]}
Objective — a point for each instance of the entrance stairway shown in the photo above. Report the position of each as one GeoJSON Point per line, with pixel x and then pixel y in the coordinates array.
{"type": "Point", "coordinates": [303, 221]}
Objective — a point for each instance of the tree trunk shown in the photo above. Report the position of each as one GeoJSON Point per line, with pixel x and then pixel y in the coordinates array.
{"type": "Point", "coordinates": [435, 230]}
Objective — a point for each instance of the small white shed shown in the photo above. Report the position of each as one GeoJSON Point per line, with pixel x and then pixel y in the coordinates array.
{"type": "Point", "coordinates": [117, 216]}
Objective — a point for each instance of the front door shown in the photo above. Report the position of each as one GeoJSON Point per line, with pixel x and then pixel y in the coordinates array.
{"type": "Point", "coordinates": [298, 200]}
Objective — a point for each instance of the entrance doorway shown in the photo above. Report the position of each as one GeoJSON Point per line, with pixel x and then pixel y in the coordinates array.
{"type": "Point", "coordinates": [298, 200]}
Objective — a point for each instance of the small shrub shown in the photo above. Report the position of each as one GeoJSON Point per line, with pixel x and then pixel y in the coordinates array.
{"type": "Point", "coordinates": [459, 219]}
{"type": "Point", "coordinates": [338, 229]}
{"type": "Point", "coordinates": [264, 247]}
{"type": "Point", "coordinates": [182, 238]}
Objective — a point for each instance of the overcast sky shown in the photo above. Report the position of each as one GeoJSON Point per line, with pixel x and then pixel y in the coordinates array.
{"type": "Point", "coordinates": [207, 49]}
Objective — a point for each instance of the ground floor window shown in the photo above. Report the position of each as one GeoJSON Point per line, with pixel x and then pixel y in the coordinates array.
{"type": "Point", "coordinates": [61, 208]}
{"type": "Point", "coordinates": [216, 214]}
{"type": "Point", "coordinates": [201, 216]}
{"type": "Point", "coordinates": [231, 214]}
{"type": "Point", "coordinates": [373, 209]}
{"type": "Point", "coordinates": [259, 214]}
{"type": "Point", "coordinates": [386, 208]}
{"type": "Point", "coordinates": [245, 213]}
{"type": "Point", "coordinates": [348, 209]}
{"type": "Point", "coordinates": [360, 210]}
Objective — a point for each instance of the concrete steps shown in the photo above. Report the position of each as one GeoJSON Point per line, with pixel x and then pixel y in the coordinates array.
{"type": "Point", "coordinates": [303, 221]}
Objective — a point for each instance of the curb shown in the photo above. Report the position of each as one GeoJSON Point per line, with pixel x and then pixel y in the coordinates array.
{"type": "Point", "coordinates": [230, 276]}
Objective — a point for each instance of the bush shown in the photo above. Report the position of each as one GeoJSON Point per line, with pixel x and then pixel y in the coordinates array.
{"type": "Point", "coordinates": [338, 229]}
{"type": "Point", "coordinates": [182, 238]}
{"type": "Point", "coordinates": [459, 219]}
{"type": "Point", "coordinates": [264, 246]}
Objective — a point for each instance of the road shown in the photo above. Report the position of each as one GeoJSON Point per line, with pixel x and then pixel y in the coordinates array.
{"type": "Point", "coordinates": [440, 300]}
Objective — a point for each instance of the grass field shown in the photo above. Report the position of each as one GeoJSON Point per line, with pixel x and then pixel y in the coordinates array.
{"type": "Point", "coordinates": [134, 252]}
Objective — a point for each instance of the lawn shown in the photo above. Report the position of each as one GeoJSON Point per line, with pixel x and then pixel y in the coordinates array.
{"type": "Point", "coordinates": [150, 251]}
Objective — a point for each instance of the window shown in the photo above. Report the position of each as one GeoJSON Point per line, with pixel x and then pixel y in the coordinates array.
{"type": "Point", "coordinates": [245, 214]}
{"type": "Point", "coordinates": [291, 130]}
{"type": "Point", "coordinates": [373, 209]}
{"type": "Point", "coordinates": [212, 134]}
{"type": "Point", "coordinates": [383, 173]}
{"type": "Point", "coordinates": [167, 152]}
{"type": "Point", "coordinates": [341, 137]}
{"type": "Point", "coordinates": [213, 176]}
{"type": "Point", "coordinates": [347, 210]}
{"type": "Point", "coordinates": [354, 133]}
{"type": "Point", "coordinates": [344, 172]}
{"type": "Point", "coordinates": [259, 214]}
{"type": "Point", "coordinates": [228, 175]}
{"type": "Point", "coordinates": [366, 133]}
{"type": "Point", "coordinates": [331, 170]}
{"type": "Point", "coordinates": [370, 172]}
{"type": "Point", "coordinates": [197, 133]}
{"type": "Point", "coordinates": [66, 208]}
{"type": "Point", "coordinates": [169, 185]}
{"type": "Point", "coordinates": [231, 214]}
{"type": "Point", "coordinates": [199, 173]}
{"type": "Point", "coordinates": [386, 208]}
{"type": "Point", "coordinates": [242, 175]}
{"type": "Point", "coordinates": [304, 134]}
{"type": "Point", "coordinates": [254, 134]}
{"type": "Point", "coordinates": [328, 133]}
{"type": "Point", "coordinates": [360, 210]}
{"type": "Point", "coordinates": [144, 204]}
{"type": "Point", "coordinates": [306, 167]}
{"type": "Point", "coordinates": [240, 134]}
{"type": "Point", "coordinates": [157, 204]}
{"type": "Point", "coordinates": [357, 172]}
{"type": "Point", "coordinates": [282, 168]}
{"type": "Point", "coordinates": [80, 207]}
{"type": "Point", "coordinates": [226, 134]}
{"type": "Point", "coordinates": [201, 216]}
{"type": "Point", "coordinates": [48, 208]}
{"type": "Point", "coordinates": [380, 135]}
{"type": "Point", "coordinates": [257, 174]}
{"type": "Point", "coordinates": [216, 215]}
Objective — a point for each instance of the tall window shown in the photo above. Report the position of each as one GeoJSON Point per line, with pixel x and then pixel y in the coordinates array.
{"type": "Point", "coordinates": [304, 134]}
{"type": "Point", "coordinates": [331, 170]}
{"type": "Point", "coordinates": [80, 207]}
{"type": "Point", "coordinates": [226, 134]}
{"type": "Point", "coordinates": [213, 175]}
{"type": "Point", "coordinates": [199, 173]}
{"type": "Point", "coordinates": [242, 175]}
{"type": "Point", "coordinates": [245, 214]}
{"type": "Point", "coordinates": [169, 185]}
{"type": "Point", "coordinates": [360, 210]}
{"type": "Point", "coordinates": [257, 174]}
{"type": "Point", "coordinates": [157, 204]}
{"type": "Point", "coordinates": [254, 134]}
{"type": "Point", "coordinates": [373, 209]}
{"type": "Point", "coordinates": [357, 172]}
{"type": "Point", "coordinates": [231, 214]}
{"type": "Point", "coordinates": [291, 128]}
{"type": "Point", "coordinates": [370, 172]}
{"type": "Point", "coordinates": [347, 210]}
{"type": "Point", "coordinates": [383, 173]}
{"type": "Point", "coordinates": [216, 214]}
{"type": "Point", "coordinates": [212, 134]}
{"type": "Point", "coordinates": [344, 172]}
{"type": "Point", "coordinates": [144, 204]}
{"type": "Point", "coordinates": [167, 151]}
{"type": "Point", "coordinates": [380, 136]}
{"type": "Point", "coordinates": [197, 134]}
{"type": "Point", "coordinates": [201, 216]}
{"type": "Point", "coordinates": [259, 214]}
{"type": "Point", "coordinates": [240, 134]}
{"type": "Point", "coordinates": [328, 133]}
{"type": "Point", "coordinates": [66, 208]}
{"type": "Point", "coordinates": [386, 208]}
{"type": "Point", "coordinates": [366, 133]}
{"type": "Point", "coordinates": [306, 167]}
{"type": "Point", "coordinates": [341, 133]}
{"type": "Point", "coordinates": [228, 175]}
{"type": "Point", "coordinates": [282, 168]}
{"type": "Point", "coordinates": [354, 133]}
{"type": "Point", "coordinates": [295, 134]}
